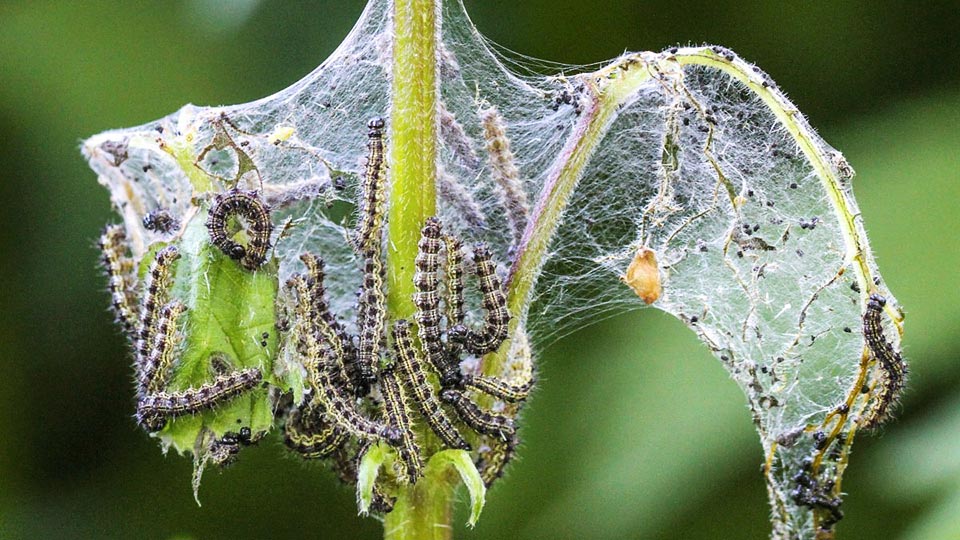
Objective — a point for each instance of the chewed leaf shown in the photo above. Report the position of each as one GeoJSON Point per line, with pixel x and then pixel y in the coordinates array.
{"type": "Point", "coordinates": [230, 326]}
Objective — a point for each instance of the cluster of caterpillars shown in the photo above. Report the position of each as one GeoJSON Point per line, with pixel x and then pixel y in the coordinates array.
{"type": "Point", "coordinates": [361, 389]}
{"type": "Point", "coordinates": [374, 386]}
{"type": "Point", "coordinates": [151, 318]}
{"type": "Point", "coordinates": [152, 325]}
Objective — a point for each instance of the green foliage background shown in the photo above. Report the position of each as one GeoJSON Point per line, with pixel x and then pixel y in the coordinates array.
{"type": "Point", "coordinates": [635, 431]}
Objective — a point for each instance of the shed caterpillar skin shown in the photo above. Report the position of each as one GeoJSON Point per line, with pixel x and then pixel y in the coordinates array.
{"type": "Point", "coordinates": [248, 205]}
{"type": "Point", "coordinates": [505, 172]}
{"type": "Point", "coordinates": [892, 367]}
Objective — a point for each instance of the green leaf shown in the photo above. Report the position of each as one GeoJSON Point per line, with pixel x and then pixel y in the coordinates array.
{"type": "Point", "coordinates": [368, 471]}
{"type": "Point", "coordinates": [460, 460]}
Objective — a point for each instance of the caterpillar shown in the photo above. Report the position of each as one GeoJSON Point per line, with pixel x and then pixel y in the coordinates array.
{"type": "Point", "coordinates": [416, 378]}
{"type": "Point", "coordinates": [151, 378]}
{"type": "Point", "coordinates": [154, 296]}
{"type": "Point", "coordinates": [397, 416]}
{"type": "Point", "coordinates": [497, 316]}
{"type": "Point", "coordinates": [492, 461]}
{"type": "Point", "coordinates": [483, 422]}
{"type": "Point", "coordinates": [246, 204]}
{"type": "Point", "coordinates": [327, 375]}
{"type": "Point", "coordinates": [303, 437]}
{"type": "Point", "coordinates": [338, 403]}
{"type": "Point", "coordinates": [453, 268]}
{"type": "Point", "coordinates": [427, 302]}
{"type": "Point", "coordinates": [330, 328]}
{"type": "Point", "coordinates": [892, 366]}
{"type": "Point", "coordinates": [497, 388]}
{"type": "Point", "coordinates": [119, 269]}
{"type": "Point", "coordinates": [371, 319]}
{"type": "Point", "coordinates": [154, 410]}
{"type": "Point", "coordinates": [373, 196]}
{"type": "Point", "coordinates": [161, 221]}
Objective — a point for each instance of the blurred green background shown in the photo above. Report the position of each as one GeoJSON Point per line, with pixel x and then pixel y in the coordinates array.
{"type": "Point", "coordinates": [635, 431]}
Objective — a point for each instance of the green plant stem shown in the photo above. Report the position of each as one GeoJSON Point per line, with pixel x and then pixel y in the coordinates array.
{"type": "Point", "coordinates": [609, 89]}
{"type": "Point", "coordinates": [413, 144]}
{"type": "Point", "coordinates": [423, 511]}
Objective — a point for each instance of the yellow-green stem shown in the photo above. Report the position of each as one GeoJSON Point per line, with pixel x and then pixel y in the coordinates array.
{"type": "Point", "coordinates": [610, 88]}
{"type": "Point", "coordinates": [422, 511]}
{"type": "Point", "coordinates": [413, 144]}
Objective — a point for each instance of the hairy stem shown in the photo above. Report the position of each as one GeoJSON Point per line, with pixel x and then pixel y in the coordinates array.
{"type": "Point", "coordinates": [413, 146]}
{"type": "Point", "coordinates": [606, 97]}
{"type": "Point", "coordinates": [424, 510]}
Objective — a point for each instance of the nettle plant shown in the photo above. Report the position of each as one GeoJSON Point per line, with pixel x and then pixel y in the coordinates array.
{"type": "Point", "coordinates": [366, 260]}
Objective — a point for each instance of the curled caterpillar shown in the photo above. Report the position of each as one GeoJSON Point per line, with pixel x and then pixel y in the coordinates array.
{"type": "Point", "coordinates": [246, 205]}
